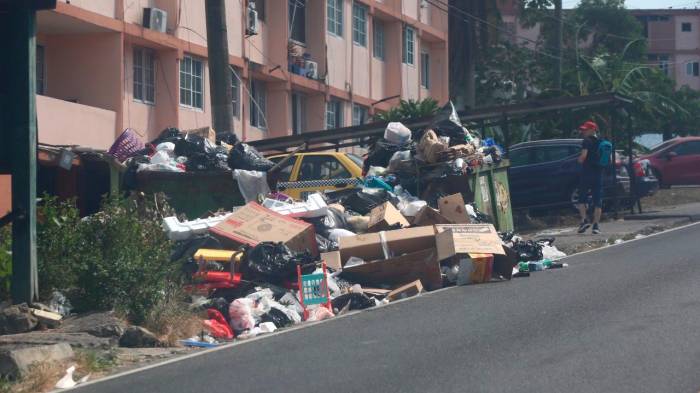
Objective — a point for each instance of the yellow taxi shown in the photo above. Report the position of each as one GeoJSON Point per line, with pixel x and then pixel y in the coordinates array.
{"type": "Point", "coordinates": [307, 173]}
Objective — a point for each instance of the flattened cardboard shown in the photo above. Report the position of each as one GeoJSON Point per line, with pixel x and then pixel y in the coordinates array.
{"type": "Point", "coordinates": [252, 224]}
{"type": "Point", "coordinates": [422, 265]}
{"type": "Point", "coordinates": [452, 208]}
{"type": "Point", "coordinates": [429, 216]}
{"type": "Point", "coordinates": [368, 246]}
{"type": "Point", "coordinates": [386, 216]}
{"type": "Point", "coordinates": [332, 259]}
{"type": "Point", "coordinates": [404, 291]}
{"type": "Point", "coordinates": [467, 239]}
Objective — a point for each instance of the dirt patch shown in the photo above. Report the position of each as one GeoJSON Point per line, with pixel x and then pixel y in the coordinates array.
{"type": "Point", "coordinates": [672, 197]}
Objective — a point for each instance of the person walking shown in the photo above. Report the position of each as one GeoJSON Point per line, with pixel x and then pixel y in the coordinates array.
{"type": "Point", "coordinates": [591, 178]}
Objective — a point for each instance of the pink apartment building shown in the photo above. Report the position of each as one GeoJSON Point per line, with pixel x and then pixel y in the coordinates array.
{"type": "Point", "coordinates": [298, 65]}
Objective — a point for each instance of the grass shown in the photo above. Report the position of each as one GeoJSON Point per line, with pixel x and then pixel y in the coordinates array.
{"type": "Point", "coordinates": [42, 377]}
{"type": "Point", "coordinates": [173, 321]}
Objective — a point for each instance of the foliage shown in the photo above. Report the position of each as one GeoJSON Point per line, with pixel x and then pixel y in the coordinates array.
{"type": "Point", "coordinates": [5, 261]}
{"type": "Point", "coordinates": [411, 109]}
{"type": "Point", "coordinates": [116, 259]}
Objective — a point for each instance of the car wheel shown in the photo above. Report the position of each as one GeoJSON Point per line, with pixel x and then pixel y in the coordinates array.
{"type": "Point", "coordinates": [657, 175]}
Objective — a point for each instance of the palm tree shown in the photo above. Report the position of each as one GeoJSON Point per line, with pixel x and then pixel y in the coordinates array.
{"type": "Point", "coordinates": [411, 109]}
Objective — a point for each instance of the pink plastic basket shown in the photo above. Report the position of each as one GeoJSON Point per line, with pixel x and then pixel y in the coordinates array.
{"type": "Point", "coordinates": [126, 145]}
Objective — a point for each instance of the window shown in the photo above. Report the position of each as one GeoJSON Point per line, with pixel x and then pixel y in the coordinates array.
{"type": "Point", "coordinates": [258, 104]}
{"type": "Point", "coordinates": [378, 39]}
{"type": "Point", "coordinates": [144, 75]}
{"type": "Point", "coordinates": [297, 20]}
{"type": "Point", "coordinates": [660, 61]}
{"type": "Point", "coordinates": [425, 70]}
{"type": "Point", "coordinates": [322, 167]}
{"type": "Point", "coordinates": [335, 17]}
{"type": "Point", "coordinates": [260, 7]}
{"type": "Point", "coordinates": [286, 171]}
{"type": "Point", "coordinates": [359, 24]}
{"type": "Point", "coordinates": [334, 114]}
{"type": "Point", "coordinates": [40, 70]}
{"type": "Point", "coordinates": [686, 27]}
{"type": "Point", "coordinates": [192, 82]}
{"type": "Point", "coordinates": [409, 45]}
{"type": "Point", "coordinates": [235, 93]}
{"type": "Point", "coordinates": [688, 149]}
{"type": "Point", "coordinates": [519, 157]}
{"type": "Point", "coordinates": [692, 68]}
{"type": "Point", "coordinates": [298, 113]}
{"type": "Point", "coordinates": [359, 115]}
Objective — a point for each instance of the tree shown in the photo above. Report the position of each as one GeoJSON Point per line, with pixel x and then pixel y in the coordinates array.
{"type": "Point", "coordinates": [411, 109]}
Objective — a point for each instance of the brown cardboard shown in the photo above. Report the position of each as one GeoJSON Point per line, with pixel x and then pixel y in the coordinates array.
{"type": "Point", "coordinates": [332, 259]}
{"type": "Point", "coordinates": [466, 239]}
{"type": "Point", "coordinates": [379, 292]}
{"type": "Point", "coordinates": [404, 291]}
{"type": "Point", "coordinates": [452, 208]}
{"type": "Point", "coordinates": [204, 132]}
{"type": "Point", "coordinates": [422, 265]}
{"type": "Point", "coordinates": [368, 246]}
{"type": "Point", "coordinates": [429, 216]}
{"type": "Point", "coordinates": [252, 224]}
{"type": "Point", "coordinates": [386, 216]}
{"type": "Point", "coordinates": [475, 269]}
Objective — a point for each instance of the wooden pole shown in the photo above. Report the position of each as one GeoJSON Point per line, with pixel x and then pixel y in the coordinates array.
{"type": "Point", "coordinates": [219, 72]}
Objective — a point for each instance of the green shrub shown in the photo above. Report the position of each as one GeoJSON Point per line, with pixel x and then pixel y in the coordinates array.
{"type": "Point", "coordinates": [5, 261]}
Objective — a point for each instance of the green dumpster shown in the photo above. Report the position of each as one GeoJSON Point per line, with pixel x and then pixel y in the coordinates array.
{"type": "Point", "coordinates": [492, 193]}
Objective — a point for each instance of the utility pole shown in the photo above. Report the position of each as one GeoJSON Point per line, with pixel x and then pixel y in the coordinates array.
{"type": "Point", "coordinates": [559, 42]}
{"type": "Point", "coordinates": [219, 72]}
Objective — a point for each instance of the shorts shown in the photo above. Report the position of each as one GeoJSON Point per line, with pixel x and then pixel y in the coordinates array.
{"type": "Point", "coordinates": [593, 182]}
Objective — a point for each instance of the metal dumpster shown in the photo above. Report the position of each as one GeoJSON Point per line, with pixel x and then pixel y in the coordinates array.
{"type": "Point", "coordinates": [492, 194]}
{"type": "Point", "coordinates": [192, 193]}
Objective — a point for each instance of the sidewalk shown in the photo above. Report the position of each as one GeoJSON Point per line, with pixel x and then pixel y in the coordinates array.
{"type": "Point", "coordinates": [632, 225]}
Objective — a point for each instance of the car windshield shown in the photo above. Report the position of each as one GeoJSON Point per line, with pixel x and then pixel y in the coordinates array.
{"type": "Point", "coordinates": [357, 160]}
{"type": "Point", "coordinates": [661, 146]}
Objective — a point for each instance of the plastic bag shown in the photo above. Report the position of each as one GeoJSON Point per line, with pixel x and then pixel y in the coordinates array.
{"type": "Point", "coordinates": [276, 316]}
{"type": "Point", "coordinates": [241, 314]}
{"type": "Point", "coordinates": [244, 156]}
{"type": "Point", "coordinates": [396, 133]}
{"type": "Point", "coordinates": [217, 325]}
{"type": "Point", "coordinates": [272, 262]}
{"type": "Point", "coordinates": [334, 235]}
{"type": "Point", "coordinates": [362, 202]}
{"type": "Point", "coordinates": [354, 301]}
{"type": "Point", "coordinates": [60, 304]}
{"type": "Point", "coordinates": [251, 184]}
{"type": "Point", "coordinates": [319, 314]}
{"type": "Point", "coordinates": [162, 158]}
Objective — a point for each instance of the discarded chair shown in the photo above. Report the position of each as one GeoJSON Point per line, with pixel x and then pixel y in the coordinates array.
{"type": "Point", "coordinates": [313, 289]}
{"type": "Point", "coordinates": [208, 280]}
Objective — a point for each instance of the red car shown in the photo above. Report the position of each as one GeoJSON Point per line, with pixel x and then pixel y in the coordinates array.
{"type": "Point", "coordinates": [676, 161]}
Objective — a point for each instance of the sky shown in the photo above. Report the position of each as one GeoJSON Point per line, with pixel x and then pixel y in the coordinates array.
{"type": "Point", "coordinates": [648, 3]}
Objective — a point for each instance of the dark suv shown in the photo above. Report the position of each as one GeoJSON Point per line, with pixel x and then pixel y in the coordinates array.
{"type": "Point", "coordinates": [545, 173]}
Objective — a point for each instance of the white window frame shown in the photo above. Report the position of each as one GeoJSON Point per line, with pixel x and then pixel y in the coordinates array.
{"type": "Point", "coordinates": [360, 114]}
{"type": "Point", "coordinates": [334, 113]}
{"type": "Point", "coordinates": [40, 69]}
{"type": "Point", "coordinates": [258, 104]}
{"type": "Point", "coordinates": [408, 55]}
{"type": "Point", "coordinates": [425, 69]}
{"type": "Point", "coordinates": [299, 110]}
{"type": "Point", "coordinates": [359, 24]}
{"type": "Point", "coordinates": [144, 75]}
{"type": "Point", "coordinates": [188, 92]}
{"type": "Point", "coordinates": [334, 17]}
{"type": "Point", "coordinates": [235, 93]}
{"type": "Point", "coordinates": [378, 40]}
{"type": "Point", "coordinates": [299, 6]}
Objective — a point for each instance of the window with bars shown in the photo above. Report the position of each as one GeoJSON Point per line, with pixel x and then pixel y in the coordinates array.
{"type": "Point", "coordinates": [258, 104]}
{"type": "Point", "coordinates": [192, 82]}
{"type": "Point", "coordinates": [297, 20]}
{"type": "Point", "coordinates": [40, 70]}
{"type": "Point", "coordinates": [409, 45]}
{"type": "Point", "coordinates": [334, 114]}
{"type": "Point", "coordinates": [334, 11]}
{"type": "Point", "coordinates": [425, 70]}
{"type": "Point", "coordinates": [359, 24]}
{"type": "Point", "coordinates": [359, 115]}
{"type": "Point", "coordinates": [235, 93]}
{"type": "Point", "coordinates": [378, 39]}
{"type": "Point", "coordinates": [692, 68]}
{"type": "Point", "coordinates": [144, 75]}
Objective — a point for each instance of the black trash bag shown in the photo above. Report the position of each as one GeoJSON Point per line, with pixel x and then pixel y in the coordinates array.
{"type": "Point", "coordinates": [358, 301]}
{"type": "Point", "coordinates": [506, 236]}
{"type": "Point", "coordinates": [528, 250]}
{"type": "Point", "coordinates": [190, 146]}
{"type": "Point", "coordinates": [273, 262]}
{"type": "Point", "coordinates": [363, 203]}
{"type": "Point", "coordinates": [228, 138]}
{"type": "Point", "coordinates": [334, 219]}
{"type": "Point", "coordinates": [325, 245]}
{"type": "Point", "coordinates": [170, 134]}
{"type": "Point", "coordinates": [381, 152]}
{"type": "Point", "coordinates": [450, 127]}
{"type": "Point", "coordinates": [276, 316]}
{"type": "Point", "coordinates": [244, 156]}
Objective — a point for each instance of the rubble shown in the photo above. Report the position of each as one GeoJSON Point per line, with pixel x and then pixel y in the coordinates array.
{"type": "Point", "coordinates": [17, 319]}
{"type": "Point", "coordinates": [138, 337]}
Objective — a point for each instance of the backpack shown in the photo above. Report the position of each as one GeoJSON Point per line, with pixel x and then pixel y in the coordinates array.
{"type": "Point", "coordinates": [604, 153]}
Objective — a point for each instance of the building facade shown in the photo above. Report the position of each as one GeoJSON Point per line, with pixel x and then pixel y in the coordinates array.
{"type": "Point", "coordinates": [297, 65]}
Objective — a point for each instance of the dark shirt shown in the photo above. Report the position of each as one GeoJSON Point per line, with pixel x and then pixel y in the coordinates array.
{"type": "Point", "coordinates": [591, 163]}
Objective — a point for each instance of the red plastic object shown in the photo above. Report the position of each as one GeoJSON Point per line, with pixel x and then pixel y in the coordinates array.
{"type": "Point", "coordinates": [216, 277]}
{"type": "Point", "coordinates": [217, 325]}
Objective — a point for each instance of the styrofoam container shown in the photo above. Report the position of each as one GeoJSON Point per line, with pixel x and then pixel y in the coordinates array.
{"type": "Point", "coordinates": [315, 206]}
{"type": "Point", "coordinates": [184, 230]}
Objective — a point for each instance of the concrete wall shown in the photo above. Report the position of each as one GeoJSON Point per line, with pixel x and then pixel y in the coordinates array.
{"type": "Point", "coordinates": [65, 123]}
{"type": "Point", "coordinates": [662, 35]}
{"type": "Point", "coordinates": [682, 78]}
{"type": "Point", "coordinates": [687, 40]}
{"type": "Point", "coordinates": [103, 7]}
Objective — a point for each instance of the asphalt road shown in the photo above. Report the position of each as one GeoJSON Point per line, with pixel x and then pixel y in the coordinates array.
{"type": "Point", "coordinates": [621, 319]}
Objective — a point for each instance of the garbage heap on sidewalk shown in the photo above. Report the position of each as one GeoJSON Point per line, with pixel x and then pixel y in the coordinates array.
{"type": "Point", "coordinates": [276, 262]}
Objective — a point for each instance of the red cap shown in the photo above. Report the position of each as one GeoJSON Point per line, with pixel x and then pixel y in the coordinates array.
{"type": "Point", "coordinates": [589, 125]}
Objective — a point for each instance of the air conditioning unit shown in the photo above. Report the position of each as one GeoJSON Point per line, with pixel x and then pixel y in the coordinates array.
{"type": "Point", "coordinates": [155, 19]}
{"type": "Point", "coordinates": [311, 69]}
{"type": "Point", "coordinates": [251, 20]}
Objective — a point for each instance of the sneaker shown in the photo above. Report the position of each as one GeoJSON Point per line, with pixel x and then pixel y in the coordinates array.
{"type": "Point", "coordinates": [595, 230]}
{"type": "Point", "coordinates": [584, 225]}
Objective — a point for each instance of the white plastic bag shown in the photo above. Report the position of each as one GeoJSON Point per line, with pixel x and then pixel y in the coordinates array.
{"type": "Point", "coordinates": [335, 234]}
{"type": "Point", "coordinates": [552, 253]}
{"type": "Point", "coordinates": [161, 157]}
{"type": "Point", "coordinates": [396, 133]}
{"type": "Point", "coordinates": [251, 183]}
{"type": "Point", "coordinates": [241, 313]}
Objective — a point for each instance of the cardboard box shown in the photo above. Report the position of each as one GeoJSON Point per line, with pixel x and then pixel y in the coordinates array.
{"type": "Point", "coordinates": [503, 264]}
{"type": "Point", "coordinates": [204, 132]}
{"type": "Point", "coordinates": [452, 208]}
{"type": "Point", "coordinates": [252, 224]}
{"type": "Point", "coordinates": [404, 291]}
{"type": "Point", "coordinates": [457, 239]}
{"type": "Point", "coordinates": [369, 247]}
{"type": "Point", "coordinates": [332, 259]}
{"type": "Point", "coordinates": [429, 216]}
{"type": "Point", "coordinates": [421, 265]}
{"type": "Point", "coordinates": [474, 268]}
{"type": "Point", "coordinates": [386, 216]}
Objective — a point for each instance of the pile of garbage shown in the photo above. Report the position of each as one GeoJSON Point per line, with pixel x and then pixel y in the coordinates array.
{"type": "Point", "coordinates": [276, 262]}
